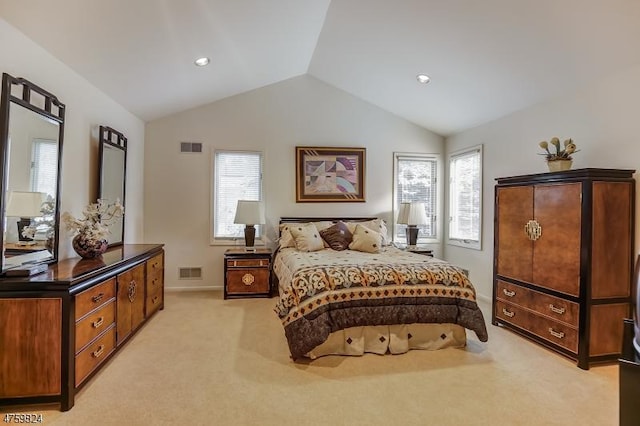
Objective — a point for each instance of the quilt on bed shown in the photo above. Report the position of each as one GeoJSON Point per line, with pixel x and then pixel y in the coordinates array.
{"type": "Point", "coordinates": [325, 291]}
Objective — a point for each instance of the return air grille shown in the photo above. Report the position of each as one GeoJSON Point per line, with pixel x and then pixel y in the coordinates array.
{"type": "Point", "coordinates": [190, 273]}
{"type": "Point", "coordinates": [191, 147]}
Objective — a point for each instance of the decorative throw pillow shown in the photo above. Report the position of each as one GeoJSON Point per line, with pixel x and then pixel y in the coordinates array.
{"type": "Point", "coordinates": [337, 236]}
{"type": "Point", "coordinates": [323, 224]}
{"type": "Point", "coordinates": [306, 237]}
{"type": "Point", "coordinates": [377, 225]}
{"type": "Point", "coordinates": [366, 240]}
{"type": "Point", "coordinates": [286, 239]}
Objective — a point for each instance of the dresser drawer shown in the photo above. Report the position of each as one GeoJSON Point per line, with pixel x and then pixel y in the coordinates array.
{"type": "Point", "coordinates": [248, 280]}
{"type": "Point", "coordinates": [545, 328]}
{"type": "Point", "coordinates": [154, 300]}
{"type": "Point", "coordinates": [94, 324]}
{"type": "Point", "coordinates": [248, 263]}
{"type": "Point", "coordinates": [544, 304]}
{"type": "Point", "coordinates": [95, 296]}
{"type": "Point", "coordinates": [155, 267]}
{"type": "Point", "coordinates": [94, 354]}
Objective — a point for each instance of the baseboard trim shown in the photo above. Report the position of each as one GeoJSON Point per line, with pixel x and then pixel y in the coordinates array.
{"type": "Point", "coordinates": [197, 288]}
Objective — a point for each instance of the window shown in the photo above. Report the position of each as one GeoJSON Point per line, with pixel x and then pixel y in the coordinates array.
{"type": "Point", "coordinates": [237, 175]}
{"type": "Point", "coordinates": [44, 163]}
{"type": "Point", "coordinates": [416, 180]}
{"type": "Point", "coordinates": [465, 198]}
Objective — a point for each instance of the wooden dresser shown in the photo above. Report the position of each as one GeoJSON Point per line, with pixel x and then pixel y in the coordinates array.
{"type": "Point", "coordinates": [563, 259]}
{"type": "Point", "coordinates": [59, 327]}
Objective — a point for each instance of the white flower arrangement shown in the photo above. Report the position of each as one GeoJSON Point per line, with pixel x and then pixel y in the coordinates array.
{"type": "Point", "coordinates": [96, 219]}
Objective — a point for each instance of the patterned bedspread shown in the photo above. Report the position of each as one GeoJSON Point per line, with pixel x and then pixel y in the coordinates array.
{"type": "Point", "coordinates": [325, 291]}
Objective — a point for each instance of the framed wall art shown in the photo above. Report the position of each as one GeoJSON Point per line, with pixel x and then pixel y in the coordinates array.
{"type": "Point", "coordinates": [325, 174]}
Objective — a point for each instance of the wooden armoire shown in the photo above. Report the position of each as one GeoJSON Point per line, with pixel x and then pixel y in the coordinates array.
{"type": "Point", "coordinates": [563, 259]}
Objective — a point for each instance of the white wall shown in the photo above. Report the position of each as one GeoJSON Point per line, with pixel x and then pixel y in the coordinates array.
{"type": "Point", "coordinates": [604, 121]}
{"type": "Point", "coordinates": [273, 119]}
{"type": "Point", "coordinates": [86, 109]}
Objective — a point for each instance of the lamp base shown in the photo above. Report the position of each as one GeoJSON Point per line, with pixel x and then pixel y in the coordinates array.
{"type": "Point", "coordinates": [249, 236]}
{"type": "Point", "coordinates": [412, 235]}
{"type": "Point", "coordinates": [22, 223]}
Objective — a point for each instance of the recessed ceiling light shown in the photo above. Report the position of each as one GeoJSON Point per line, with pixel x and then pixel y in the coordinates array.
{"type": "Point", "coordinates": [423, 78]}
{"type": "Point", "coordinates": [201, 62]}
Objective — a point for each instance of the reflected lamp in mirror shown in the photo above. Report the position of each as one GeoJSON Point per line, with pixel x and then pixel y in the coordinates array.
{"type": "Point", "coordinates": [412, 215]}
{"type": "Point", "coordinates": [26, 206]}
{"type": "Point", "coordinates": [249, 213]}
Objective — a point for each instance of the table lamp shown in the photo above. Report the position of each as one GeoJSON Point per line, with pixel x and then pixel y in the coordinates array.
{"type": "Point", "coordinates": [412, 215]}
{"type": "Point", "coordinates": [249, 213]}
{"type": "Point", "coordinates": [25, 205]}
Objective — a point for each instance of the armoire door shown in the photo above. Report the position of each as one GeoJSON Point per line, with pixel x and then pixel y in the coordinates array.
{"type": "Point", "coordinates": [515, 250]}
{"type": "Point", "coordinates": [556, 253]}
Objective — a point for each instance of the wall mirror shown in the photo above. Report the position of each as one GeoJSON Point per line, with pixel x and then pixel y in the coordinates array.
{"type": "Point", "coordinates": [112, 179]}
{"type": "Point", "coordinates": [31, 134]}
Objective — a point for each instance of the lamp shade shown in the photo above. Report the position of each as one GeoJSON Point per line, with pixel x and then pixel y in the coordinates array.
{"type": "Point", "coordinates": [412, 214]}
{"type": "Point", "coordinates": [249, 212]}
{"type": "Point", "coordinates": [403, 213]}
{"type": "Point", "coordinates": [25, 204]}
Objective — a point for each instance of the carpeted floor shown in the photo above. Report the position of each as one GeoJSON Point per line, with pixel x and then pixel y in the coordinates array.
{"type": "Point", "coordinates": [207, 361]}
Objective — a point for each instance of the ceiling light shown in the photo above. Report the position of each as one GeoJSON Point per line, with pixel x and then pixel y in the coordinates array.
{"type": "Point", "coordinates": [423, 78]}
{"type": "Point", "coordinates": [201, 62]}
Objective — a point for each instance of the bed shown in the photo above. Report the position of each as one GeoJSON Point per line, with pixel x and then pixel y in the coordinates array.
{"type": "Point", "coordinates": [345, 297]}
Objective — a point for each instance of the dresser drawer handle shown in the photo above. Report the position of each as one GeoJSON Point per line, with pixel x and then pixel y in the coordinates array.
{"type": "Point", "coordinates": [508, 313]}
{"type": "Point", "coordinates": [155, 265]}
{"type": "Point", "coordinates": [248, 279]}
{"type": "Point", "coordinates": [154, 281]}
{"type": "Point", "coordinates": [557, 310]}
{"type": "Point", "coordinates": [97, 297]}
{"type": "Point", "coordinates": [98, 351]}
{"type": "Point", "coordinates": [154, 300]}
{"type": "Point", "coordinates": [98, 323]}
{"type": "Point", "coordinates": [557, 334]}
{"type": "Point", "coordinates": [508, 293]}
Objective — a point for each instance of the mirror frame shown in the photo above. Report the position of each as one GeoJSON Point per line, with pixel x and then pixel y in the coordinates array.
{"type": "Point", "coordinates": [53, 110]}
{"type": "Point", "coordinates": [115, 139]}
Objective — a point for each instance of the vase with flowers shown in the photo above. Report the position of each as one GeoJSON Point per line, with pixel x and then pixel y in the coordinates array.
{"type": "Point", "coordinates": [560, 159]}
{"type": "Point", "coordinates": [90, 232]}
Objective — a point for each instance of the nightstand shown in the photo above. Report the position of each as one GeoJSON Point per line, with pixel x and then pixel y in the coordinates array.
{"type": "Point", "coordinates": [247, 273]}
{"type": "Point", "coordinates": [419, 250]}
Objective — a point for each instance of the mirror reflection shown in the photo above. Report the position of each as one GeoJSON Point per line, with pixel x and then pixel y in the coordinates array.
{"type": "Point", "coordinates": [31, 145]}
{"type": "Point", "coordinates": [112, 180]}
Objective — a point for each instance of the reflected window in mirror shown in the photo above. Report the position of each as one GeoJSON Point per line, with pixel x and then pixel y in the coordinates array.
{"type": "Point", "coordinates": [112, 177]}
{"type": "Point", "coordinates": [31, 135]}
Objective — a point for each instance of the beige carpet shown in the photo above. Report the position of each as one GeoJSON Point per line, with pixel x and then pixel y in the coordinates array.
{"type": "Point", "coordinates": [207, 361]}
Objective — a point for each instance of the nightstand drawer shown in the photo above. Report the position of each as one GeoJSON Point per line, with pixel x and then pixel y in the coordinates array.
{"type": "Point", "coordinates": [248, 263]}
{"type": "Point", "coordinates": [248, 280]}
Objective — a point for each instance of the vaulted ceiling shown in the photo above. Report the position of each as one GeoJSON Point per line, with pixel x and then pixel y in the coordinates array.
{"type": "Point", "coordinates": [486, 58]}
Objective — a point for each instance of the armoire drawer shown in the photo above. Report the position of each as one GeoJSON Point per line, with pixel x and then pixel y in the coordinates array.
{"type": "Point", "coordinates": [553, 307]}
{"type": "Point", "coordinates": [545, 328]}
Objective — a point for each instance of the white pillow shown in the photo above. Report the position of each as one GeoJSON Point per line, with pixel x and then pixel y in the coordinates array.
{"type": "Point", "coordinates": [377, 225]}
{"type": "Point", "coordinates": [366, 240]}
{"type": "Point", "coordinates": [306, 237]}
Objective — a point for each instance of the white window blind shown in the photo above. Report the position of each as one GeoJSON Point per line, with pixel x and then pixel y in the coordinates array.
{"type": "Point", "coordinates": [416, 180]}
{"type": "Point", "coordinates": [237, 176]}
{"type": "Point", "coordinates": [44, 162]}
{"type": "Point", "coordinates": [465, 197]}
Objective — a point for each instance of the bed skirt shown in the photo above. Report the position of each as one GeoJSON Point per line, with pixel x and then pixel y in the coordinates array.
{"type": "Point", "coordinates": [395, 339]}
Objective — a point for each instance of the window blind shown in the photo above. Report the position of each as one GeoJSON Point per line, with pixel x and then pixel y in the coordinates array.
{"type": "Point", "coordinates": [44, 162]}
{"type": "Point", "coordinates": [465, 196]}
{"type": "Point", "coordinates": [237, 176]}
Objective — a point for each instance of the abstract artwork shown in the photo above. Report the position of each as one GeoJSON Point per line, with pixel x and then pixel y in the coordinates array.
{"type": "Point", "coordinates": [329, 174]}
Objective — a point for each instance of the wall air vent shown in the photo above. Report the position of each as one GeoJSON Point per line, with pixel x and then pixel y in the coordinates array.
{"type": "Point", "coordinates": [190, 273]}
{"type": "Point", "coordinates": [191, 147]}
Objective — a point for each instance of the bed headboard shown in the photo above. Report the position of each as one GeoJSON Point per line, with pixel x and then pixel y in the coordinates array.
{"type": "Point", "coordinates": [321, 219]}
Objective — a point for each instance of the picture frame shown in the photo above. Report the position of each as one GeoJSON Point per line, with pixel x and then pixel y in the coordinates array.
{"type": "Point", "coordinates": [330, 174]}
